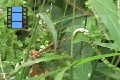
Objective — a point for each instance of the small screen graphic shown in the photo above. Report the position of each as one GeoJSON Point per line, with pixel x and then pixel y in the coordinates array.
{"type": "Point", "coordinates": [17, 17]}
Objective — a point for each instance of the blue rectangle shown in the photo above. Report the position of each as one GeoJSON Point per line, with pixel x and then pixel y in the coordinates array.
{"type": "Point", "coordinates": [16, 16]}
{"type": "Point", "coordinates": [16, 24]}
{"type": "Point", "coordinates": [16, 9]}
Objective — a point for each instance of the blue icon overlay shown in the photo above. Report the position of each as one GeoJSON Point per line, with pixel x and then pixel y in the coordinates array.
{"type": "Point", "coordinates": [17, 17]}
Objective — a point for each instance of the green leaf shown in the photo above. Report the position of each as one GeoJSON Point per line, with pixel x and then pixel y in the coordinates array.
{"type": "Point", "coordinates": [82, 72]}
{"type": "Point", "coordinates": [45, 59]}
{"type": "Point", "coordinates": [19, 43]}
{"type": "Point", "coordinates": [80, 37]}
{"type": "Point", "coordinates": [104, 70]}
{"type": "Point", "coordinates": [108, 13]}
{"type": "Point", "coordinates": [66, 18]}
{"type": "Point", "coordinates": [115, 75]}
{"type": "Point", "coordinates": [108, 45]}
{"type": "Point", "coordinates": [56, 12]}
{"type": "Point", "coordinates": [96, 57]}
{"type": "Point", "coordinates": [80, 62]}
{"type": "Point", "coordinates": [51, 28]}
{"type": "Point", "coordinates": [2, 1]}
{"type": "Point", "coordinates": [60, 75]}
{"type": "Point", "coordinates": [101, 71]}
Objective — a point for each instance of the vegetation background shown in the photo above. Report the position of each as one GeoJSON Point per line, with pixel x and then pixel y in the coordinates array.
{"type": "Point", "coordinates": [65, 40]}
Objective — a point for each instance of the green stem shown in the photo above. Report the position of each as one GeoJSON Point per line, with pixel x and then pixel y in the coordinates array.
{"type": "Point", "coordinates": [31, 41]}
{"type": "Point", "coordinates": [79, 51]}
{"type": "Point", "coordinates": [72, 40]}
{"type": "Point", "coordinates": [110, 68]}
{"type": "Point", "coordinates": [12, 48]}
{"type": "Point", "coordinates": [62, 22]}
{"type": "Point", "coordinates": [29, 46]}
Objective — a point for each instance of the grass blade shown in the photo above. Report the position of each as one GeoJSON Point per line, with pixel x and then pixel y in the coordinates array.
{"type": "Point", "coordinates": [45, 59]}
{"type": "Point", "coordinates": [51, 28]}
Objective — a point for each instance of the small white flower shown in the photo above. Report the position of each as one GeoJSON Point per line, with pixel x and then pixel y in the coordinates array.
{"type": "Point", "coordinates": [83, 30]}
{"type": "Point", "coordinates": [24, 2]}
{"type": "Point", "coordinates": [40, 22]}
{"type": "Point", "coordinates": [42, 46]}
{"type": "Point", "coordinates": [37, 15]}
{"type": "Point", "coordinates": [86, 30]}
{"type": "Point", "coordinates": [89, 74]}
{"type": "Point", "coordinates": [48, 10]}
{"type": "Point", "coordinates": [16, 65]}
{"type": "Point", "coordinates": [86, 33]}
{"type": "Point", "coordinates": [1, 11]}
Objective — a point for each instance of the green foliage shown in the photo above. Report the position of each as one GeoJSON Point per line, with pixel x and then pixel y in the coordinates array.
{"type": "Point", "coordinates": [51, 27]}
{"type": "Point", "coordinates": [77, 43]}
{"type": "Point", "coordinates": [109, 15]}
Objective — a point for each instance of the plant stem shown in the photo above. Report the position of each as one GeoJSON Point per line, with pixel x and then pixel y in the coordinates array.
{"type": "Point", "coordinates": [32, 38]}
{"type": "Point", "coordinates": [110, 68]}
{"type": "Point", "coordinates": [27, 53]}
{"type": "Point", "coordinates": [12, 48]}
{"type": "Point", "coordinates": [62, 21]}
{"type": "Point", "coordinates": [72, 40]}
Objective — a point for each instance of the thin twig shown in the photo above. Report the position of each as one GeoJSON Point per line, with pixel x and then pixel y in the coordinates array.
{"type": "Point", "coordinates": [3, 74]}
{"type": "Point", "coordinates": [79, 9]}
